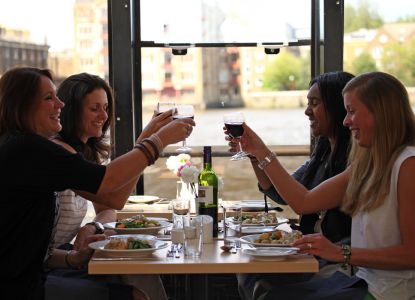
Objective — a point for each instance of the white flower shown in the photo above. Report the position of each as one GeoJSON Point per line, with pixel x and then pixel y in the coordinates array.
{"type": "Point", "coordinates": [189, 174]}
{"type": "Point", "coordinates": [174, 162]}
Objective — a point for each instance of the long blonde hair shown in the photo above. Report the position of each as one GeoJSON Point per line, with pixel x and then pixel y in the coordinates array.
{"type": "Point", "coordinates": [387, 99]}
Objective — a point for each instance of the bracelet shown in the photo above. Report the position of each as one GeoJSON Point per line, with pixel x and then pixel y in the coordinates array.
{"type": "Point", "coordinates": [346, 252]}
{"type": "Point", "coordinates": [153, 145]}
{"type": "Point", "coordinates": [67, 260]}
{"type": "Point", "coordinates": [267, 160]}
{"type": "Point", "coordinates": [158, 141]}
{"type": "Point", "coordinates": [147, 154]}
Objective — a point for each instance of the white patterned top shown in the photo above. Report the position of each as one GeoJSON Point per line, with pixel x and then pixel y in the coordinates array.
{"type": "Point", "coordinates": [73, 209]}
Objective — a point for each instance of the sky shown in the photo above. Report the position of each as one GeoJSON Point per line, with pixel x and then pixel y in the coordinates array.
{"type": "Point", "coordinates": [53, 19]}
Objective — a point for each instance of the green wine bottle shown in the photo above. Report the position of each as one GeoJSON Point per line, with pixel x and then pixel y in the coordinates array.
{"type": "Point", "coordinates": [207, 197]}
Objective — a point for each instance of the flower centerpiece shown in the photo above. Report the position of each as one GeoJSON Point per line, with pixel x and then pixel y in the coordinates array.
{"type": "Point", "coordinates": [182, 166]}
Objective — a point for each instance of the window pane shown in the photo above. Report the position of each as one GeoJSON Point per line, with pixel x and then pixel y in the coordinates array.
{"type": "Point", "coordinates": [225, 21]}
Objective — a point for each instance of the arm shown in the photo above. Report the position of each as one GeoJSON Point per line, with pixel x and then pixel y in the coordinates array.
{"type": "Point", "coordinates": [75, 258]}
{"type": "Point", "coordinates": [388, 258]}
{"type": "Point", "coordinates": [125, 169]}
{"type": "Point", "coordinates": [327, 195]}
{"type": "Point", "coordinates": [271, 191]}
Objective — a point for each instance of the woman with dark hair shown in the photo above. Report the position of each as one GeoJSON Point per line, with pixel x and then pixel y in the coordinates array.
{"type": "Point", "coordinates": [33, 168]}
{"type": "Point", "coordinates": [326, 112]}
{"type": "Point", "coordinates": [85, 119]}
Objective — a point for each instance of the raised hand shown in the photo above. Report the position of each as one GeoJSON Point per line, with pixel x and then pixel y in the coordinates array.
{"type": "Point", "coordinates": [176, 131]}
{"type": "Point", "coordinates": [156, 122]}
{"type": "Point", "coordinates": [252, 143]}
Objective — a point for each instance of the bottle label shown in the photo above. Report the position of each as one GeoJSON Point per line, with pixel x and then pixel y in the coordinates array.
{"type": "Point", "coordinates": [205, 194]}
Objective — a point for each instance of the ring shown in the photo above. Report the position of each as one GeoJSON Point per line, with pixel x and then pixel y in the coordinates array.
{"type": "Point", "coordinates": [309, 246]}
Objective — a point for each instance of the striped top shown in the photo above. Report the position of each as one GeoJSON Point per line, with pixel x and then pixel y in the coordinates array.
{"type": "Point", "coordinates": [73, 209]}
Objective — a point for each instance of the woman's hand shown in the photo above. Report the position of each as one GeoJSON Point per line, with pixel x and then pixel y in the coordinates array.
{"type": "Point", "coordinates": [252, 143]}
{"type": "Point", "coordinates": [316, 244]}
{"type": "Point", "coordinates": [155, 124]}
{"type": "Point", "coordinates": [176, 131]}
{"type": "Point", "coordinates": [84, 232]}
{"type": "Point", "coordinates": [81, 257]}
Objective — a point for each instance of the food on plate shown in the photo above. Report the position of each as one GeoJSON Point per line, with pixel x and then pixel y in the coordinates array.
{"type": "Point", "coordinates": [279, 237]}
{"type": "Point", "coordinates": [138, 221]}
{"type": "Point", "coordinates": [259, 218]}
{"type": "Point", "coordinates": [127, 244]}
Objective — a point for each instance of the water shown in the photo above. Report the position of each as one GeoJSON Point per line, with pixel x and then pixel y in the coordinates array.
{"type": "Point", "coordinates": [274, 126]}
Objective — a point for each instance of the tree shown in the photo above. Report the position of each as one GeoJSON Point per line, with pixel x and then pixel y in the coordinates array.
{"type": "Point", "coordinates": [363, 63]}
{"type": "Point", "coordinates": [399, 60]}
{"type": "Point", "coordinates": [285, 73]}
{"type": "Point", "coordinates": [363, 16]}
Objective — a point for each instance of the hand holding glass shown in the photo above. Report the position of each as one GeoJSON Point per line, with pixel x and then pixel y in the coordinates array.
{"type": "Point", "coordinates": [233, 123]}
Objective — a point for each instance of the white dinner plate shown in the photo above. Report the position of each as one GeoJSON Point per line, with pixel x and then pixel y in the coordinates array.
{"type": "Point", "coordinates": [146, 230]}
{"type": "Point", "coordinates": [270, 253]}
{"type": "Point", "coordinates": [250, 239]}
{"type": "Point", "coordinates": [152, 240]}
{"type": "Point", "coordinates": [142, 199]}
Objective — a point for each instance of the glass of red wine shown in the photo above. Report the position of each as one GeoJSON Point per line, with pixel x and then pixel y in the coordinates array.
{"type": "Point", "coordinates": [233, 123]}
{"type": "Point", "coordinates": [184, 111]}
{"type": "Point", "coordinates": [163, 106]}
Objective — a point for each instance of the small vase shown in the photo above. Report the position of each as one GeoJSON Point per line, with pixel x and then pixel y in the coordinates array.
{"type": "Point", "coordinates": [185, 191]}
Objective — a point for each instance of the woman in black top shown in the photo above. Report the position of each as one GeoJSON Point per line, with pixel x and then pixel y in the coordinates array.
{"type": "Point", "coordinates": [33, 168]}
{"type": "Point", "coordinates": [325, 110]}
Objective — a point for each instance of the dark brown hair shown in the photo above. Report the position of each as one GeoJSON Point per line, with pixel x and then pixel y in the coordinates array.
{"type": "Point", "coordinates": [72, 91]}
{"type": "Point", "coordinates": [19, 88]}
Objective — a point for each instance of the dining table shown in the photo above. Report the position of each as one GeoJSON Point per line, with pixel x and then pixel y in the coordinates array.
{"type": "Point", "coordinates": [212, 261]}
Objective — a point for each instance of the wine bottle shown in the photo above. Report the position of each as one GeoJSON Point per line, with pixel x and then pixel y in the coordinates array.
{"type": "Point", "coordinates": [207, 197]}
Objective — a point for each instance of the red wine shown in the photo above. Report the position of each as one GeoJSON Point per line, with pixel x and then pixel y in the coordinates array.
{"type": "Point", "coordinates": [235, 129]}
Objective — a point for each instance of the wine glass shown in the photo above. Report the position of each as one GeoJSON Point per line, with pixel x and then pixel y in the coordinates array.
{"type": "Point", "coordinates": [184, 111]}
{"type": "Point", "coordinates": [233, 123]}
{"type": "Point", "coordinates": [163, 106]}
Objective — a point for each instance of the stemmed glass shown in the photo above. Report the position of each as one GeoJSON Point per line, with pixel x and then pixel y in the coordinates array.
{"type": "Point", "coordinates": [184, 111]}
{"type": "Point", "coordinates": [233, 123]}
{"type": "Point", "coordinates": [163, 106]}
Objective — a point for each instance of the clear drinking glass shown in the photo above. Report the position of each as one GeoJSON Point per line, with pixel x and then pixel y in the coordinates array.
{"type": "Point", "coordinates": [184, 111]}
{"type": "Point", "coordinates": [163, 106]}
{"type": "Point", "coordinates": [233, 123]}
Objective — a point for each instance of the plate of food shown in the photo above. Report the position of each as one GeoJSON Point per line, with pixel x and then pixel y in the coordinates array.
{"type": "Point", "coordinates": [255, 219]}
{"type": "Point", "coordinates": [270, 253]}
{"type": "Point", "coordinates": [277, 238]}
{"type": "Point", "coordinates": [138, 224]}
{"type": "Point", "coordinates": [129, 245]}
{"type": "Point", "coordinates": [142, 199]}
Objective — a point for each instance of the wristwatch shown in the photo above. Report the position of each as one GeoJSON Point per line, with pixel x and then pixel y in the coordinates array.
{"type": "Point", "coordinates": [99, 229]}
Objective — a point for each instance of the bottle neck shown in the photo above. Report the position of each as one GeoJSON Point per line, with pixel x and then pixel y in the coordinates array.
{"type": "Point", "coordinates": [207, 159]}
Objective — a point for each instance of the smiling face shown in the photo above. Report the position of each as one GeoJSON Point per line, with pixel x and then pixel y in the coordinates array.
{"type": "Point", "coordinates": [45, 118]}
{"type": "Point", "coordinates": [94, 114]}
{"type": "Point", "coordinates": [359, 120]}
{"type": "Point", "coordinates": [316, 112]}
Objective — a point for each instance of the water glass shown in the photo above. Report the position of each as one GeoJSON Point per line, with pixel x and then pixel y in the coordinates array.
{"type": "Point", "coordinates": [193, 237]}
{"type": "Point", "coordinates": [163, 106]}
{"type": "Point", "coordinates": [184, 111]}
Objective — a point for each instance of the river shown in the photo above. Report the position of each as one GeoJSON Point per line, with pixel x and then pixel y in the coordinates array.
{"type": "Point", "coordinates": [275, 126]}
